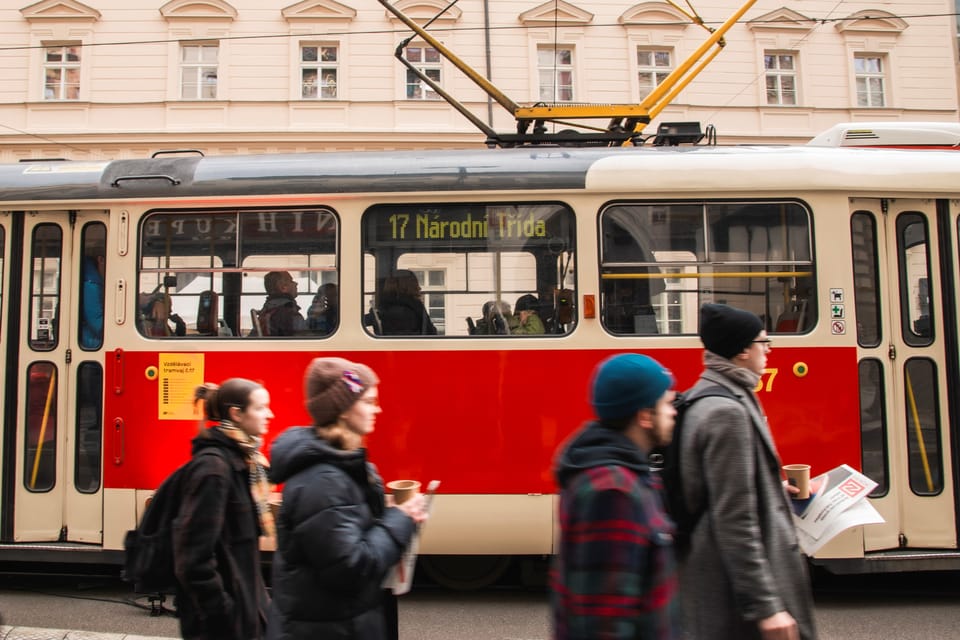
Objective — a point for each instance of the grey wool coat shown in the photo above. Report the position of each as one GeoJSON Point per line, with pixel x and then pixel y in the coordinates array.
{"type": "Point", "coordinates": [744, 563]}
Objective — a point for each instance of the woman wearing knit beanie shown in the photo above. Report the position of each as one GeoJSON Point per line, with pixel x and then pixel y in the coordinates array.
{"type": "Point", "coordinates": [337, 538]}
{"type": "Point", "coordinates": [223, 512]}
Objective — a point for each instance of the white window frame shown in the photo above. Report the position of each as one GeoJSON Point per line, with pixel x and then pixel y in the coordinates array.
{"type": "Point", "coordinates": [778, 74]}
{"type": "Point", "coordinates": [327, 76]}
{"type": "Point", "coordinates": [428, 60]}
{"type": "Point", "coordinates": [198, 71]}
{"type": "Point", "coordinates": [651, 70]}
{"type": "Point", "coordinates": [550, 81]}
{"type": "Point", "coordinates": [58, 92]}
{"type": "Point", "coordinates": [869, 96]}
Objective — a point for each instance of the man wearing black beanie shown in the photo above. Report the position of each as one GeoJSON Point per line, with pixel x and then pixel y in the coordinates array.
{"type": "Point", "coordinates": [744, 577]}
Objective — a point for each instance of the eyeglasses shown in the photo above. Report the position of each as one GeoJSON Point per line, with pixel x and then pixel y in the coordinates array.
{"type": "Point", "coordinates": [767, 343]}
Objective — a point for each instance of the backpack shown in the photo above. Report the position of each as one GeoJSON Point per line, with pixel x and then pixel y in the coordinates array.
{"type": "Point", "coordinates": [666, 460]}
{"type": "Point", "coordinates": [148, 550]}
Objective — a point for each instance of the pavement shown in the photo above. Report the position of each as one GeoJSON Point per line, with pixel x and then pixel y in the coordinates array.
{"type": "Point", "coordinates": [37, 633]}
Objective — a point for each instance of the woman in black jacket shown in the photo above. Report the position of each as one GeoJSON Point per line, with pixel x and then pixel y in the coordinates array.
{"type": "Point", "coordinates": [337, 539]}
{"type": "Point", "coordinates": [216, 534]}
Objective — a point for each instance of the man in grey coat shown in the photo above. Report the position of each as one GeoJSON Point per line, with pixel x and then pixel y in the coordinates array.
{"type": "Point", "coordinates": [744, 576]}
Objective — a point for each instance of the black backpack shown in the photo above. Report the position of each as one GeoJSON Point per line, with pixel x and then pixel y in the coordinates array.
{"type": "Point", "coordinates": [148, 550]}
{"type": "Point", "coordinates": [666, 460]}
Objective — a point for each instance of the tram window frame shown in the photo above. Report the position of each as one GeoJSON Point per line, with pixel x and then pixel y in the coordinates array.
{"type": "Point", "coordinates": [922, 414]}
{"type": "Point", "coordinates": [41, 427]}
{"type": "Point", "coordinates": [865, 256]}
{"type": "Point", "coordinates": [491, 255]}
{"type": "Point", "coordinates": [242, 247]}
{"type": "Point", "coordinates": [874, 452]}
{"type": "Point", "coordinates": [914, 331]}
{"type": "Point", "coordinates": [678, 249]}
{"type": "Point", "coordinates": [88, 425]}
{"type": "Point", "coordinates": [46, 287]}
{"type": "Point", "coordinates": [93, 263]}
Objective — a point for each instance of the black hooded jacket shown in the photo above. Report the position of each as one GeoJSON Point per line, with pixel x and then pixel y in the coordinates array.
{"type": "Point", "coordinates": [336, 541]}
{"type": "Point", "coordinates": [596, 446]}
{"type": "Point", "coordinates": [216, 542]}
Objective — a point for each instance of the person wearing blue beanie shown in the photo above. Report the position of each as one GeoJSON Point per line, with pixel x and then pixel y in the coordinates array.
{"type": "Point", "coordinates": [625, 383]}
{"type": "Point", "coordinates": [614, 574]}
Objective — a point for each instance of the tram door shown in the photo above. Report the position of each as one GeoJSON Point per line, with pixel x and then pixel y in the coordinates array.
{"type": "Point", "coordinates": [59, 425]}
{"type": "Point", "coordinates": [905, 434]}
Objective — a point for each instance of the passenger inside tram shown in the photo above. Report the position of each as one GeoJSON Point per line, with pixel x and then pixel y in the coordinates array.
{"type": "Point", "coordinates": [400, 307]}
{"type": "Point", "coordinates": [526, 320]}
{"type": "Point", "coordinates": [323, 314]}
{"type": "Point", "coordinates": [280, 313]}
{"type": "Point", "coordinates": [495, 319]}
{"type": "Point", "coordinates": [156, 314]}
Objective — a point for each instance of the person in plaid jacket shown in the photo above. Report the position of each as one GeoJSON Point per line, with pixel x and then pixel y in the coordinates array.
{"type": "Point", "coordinates": [614, 576]}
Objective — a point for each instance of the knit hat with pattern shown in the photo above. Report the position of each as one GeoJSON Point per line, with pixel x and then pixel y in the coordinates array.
{"type": "Point", "coordinates": [332, 385]}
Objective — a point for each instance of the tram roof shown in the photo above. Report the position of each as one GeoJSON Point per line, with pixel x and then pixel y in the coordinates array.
{"type": "Point", "coordinates": [684, 169]}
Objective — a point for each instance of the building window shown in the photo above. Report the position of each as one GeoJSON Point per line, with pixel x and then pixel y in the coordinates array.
{"type": "Point", "coordinates": [555, 69]}
{"type": "Point", "coordinates": [198, 71]}
{"type": "Point", "coordinates": [868, 71]}
{"type": "Point", "coordinates": [781, 76]}
{"type": "Point", "coordinates": [427, 61]}
{"type": "Point", "coordinates": [61, 70]}
{"type": "Point", "coordinates": [319, 71]}
{"type": "Point", "coordinates": [653, 66]}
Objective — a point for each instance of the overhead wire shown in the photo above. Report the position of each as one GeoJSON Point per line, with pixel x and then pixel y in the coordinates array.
{"type": "Point", "coordinates": [332, 33]}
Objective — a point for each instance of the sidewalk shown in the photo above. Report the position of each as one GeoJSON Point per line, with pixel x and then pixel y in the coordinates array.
{"type": "Point", "coordinates": [36, 633]}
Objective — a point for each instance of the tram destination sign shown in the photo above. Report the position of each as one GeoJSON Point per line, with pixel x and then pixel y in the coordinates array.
{"type": "Point", "coordinates": [461, 225]}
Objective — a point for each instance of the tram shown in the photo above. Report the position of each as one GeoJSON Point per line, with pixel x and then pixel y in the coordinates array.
{"type": "Point", "coordinates": [848, 255]}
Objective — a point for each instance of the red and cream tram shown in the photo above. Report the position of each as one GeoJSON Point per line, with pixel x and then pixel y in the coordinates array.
{"type": "Point", "coordinates": [848, 255]}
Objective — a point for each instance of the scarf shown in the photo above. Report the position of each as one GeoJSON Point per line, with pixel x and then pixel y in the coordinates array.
{"type": "Point", "coordinates": [257, 465]}
{"type": "Point", "coordinates": [738, 375]}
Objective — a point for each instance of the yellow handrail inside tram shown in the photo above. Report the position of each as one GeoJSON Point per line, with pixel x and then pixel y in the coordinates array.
{"type": "Point", "coordinates": [918, 432]}
{"type": "Point", "coordinates": [43, 429]}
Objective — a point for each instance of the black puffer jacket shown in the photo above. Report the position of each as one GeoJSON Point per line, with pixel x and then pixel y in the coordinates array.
{"type": "Point", "coordinates": [336, 542]}
{"type": "Point", "coordinates": [216, 547]}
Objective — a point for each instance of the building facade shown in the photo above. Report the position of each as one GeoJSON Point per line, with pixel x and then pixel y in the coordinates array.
{"type": "Point", "coordinates": [105, 79]}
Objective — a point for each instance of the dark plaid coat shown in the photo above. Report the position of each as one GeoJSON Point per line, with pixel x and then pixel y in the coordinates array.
{"type": "Point", "coordinates": [614, 575]}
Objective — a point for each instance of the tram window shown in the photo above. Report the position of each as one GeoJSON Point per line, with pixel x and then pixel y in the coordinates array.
{"type": "Point", "coordinates": [46, 252]}
{"type": "Point", "coordinates": [660, 261]}
{"type": "Point", "coordinates": [89, 425]}
{"type": "Point", "coordinates": [913, 255]}
{"type": "Point", "coordinates": [40, 443]}
{"type": "Point", "coordinates": [866, 282]}
{"type": "Point", "coordinates": [205, 273]}
{"type": "Point", "coordinates": [873, 425]}
{"type": "Point", "coordinates": [92, 268]}
{"type": "Point", "coordinates": [456, 269]}
{"type": "Point", "coordinates": [923, 426]}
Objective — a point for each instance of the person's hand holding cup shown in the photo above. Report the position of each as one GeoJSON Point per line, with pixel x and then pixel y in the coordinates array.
{"type": "Point", "coordinates": [798, 480]}
{"type": "Point", "coordinates": [407, 497]}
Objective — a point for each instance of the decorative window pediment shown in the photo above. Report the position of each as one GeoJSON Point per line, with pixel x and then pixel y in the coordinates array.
{"type": "Point", "coordinates": [559, 13]}
{"type": "Point", "coordinates": [198, 10]}
{"type": "Point", "coordinates": [421, 11]}
{"type": "Point", "coordinates": [782, 18]}
{"type": "Point", "coordinates": [872, 21]}
{"type": "Point", "coordinates": [60, 10]}
{"type": "Point", "coordinates": [654, 14]}
{"type": "Point", "coordinates": [318, 10]}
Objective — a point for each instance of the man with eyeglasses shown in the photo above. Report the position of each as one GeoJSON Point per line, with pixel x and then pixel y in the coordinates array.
{"type": "Point", "coordinates": [744, 576]}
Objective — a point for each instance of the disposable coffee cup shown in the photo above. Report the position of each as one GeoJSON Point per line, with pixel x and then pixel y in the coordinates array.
{"type": "Point", "coordinates": [798, 475]}
{"type": "Point", "coordinates": [403, 490]}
